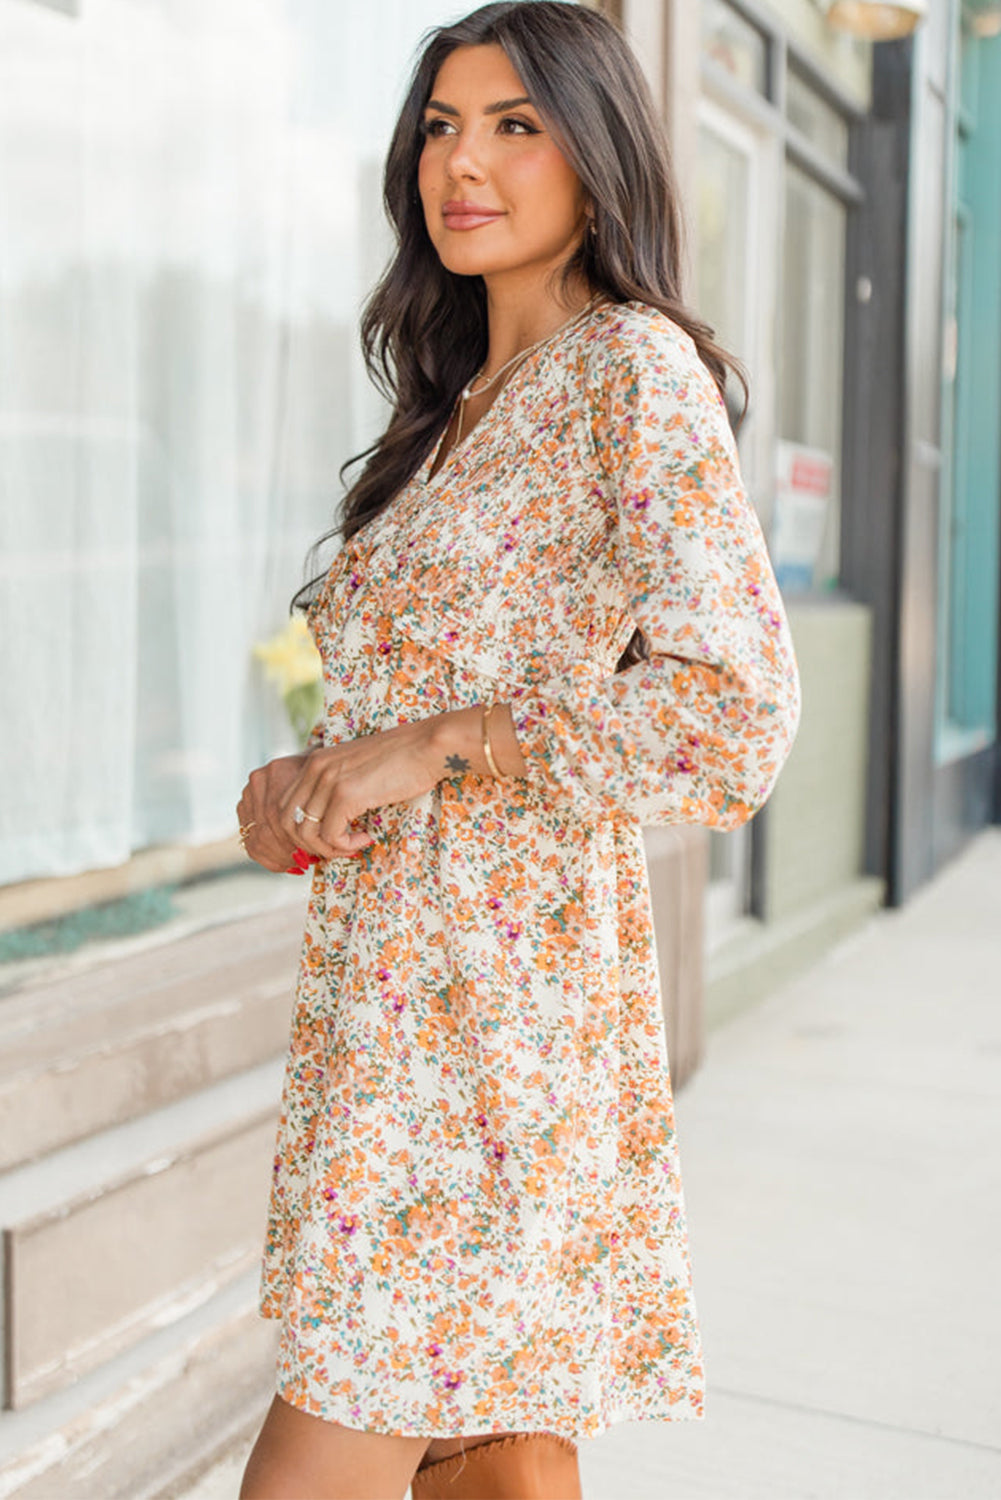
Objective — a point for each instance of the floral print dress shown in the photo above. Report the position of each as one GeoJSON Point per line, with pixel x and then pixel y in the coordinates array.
{"type": "Point", "coordinates": [476, 1218]}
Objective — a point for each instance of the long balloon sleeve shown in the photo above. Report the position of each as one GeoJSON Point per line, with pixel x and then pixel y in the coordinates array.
{"type": "Point", "coordinates": [702, 739]}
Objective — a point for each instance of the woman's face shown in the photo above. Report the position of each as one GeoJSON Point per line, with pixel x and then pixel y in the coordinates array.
{"type": "Point", "coordinates": [498, 194]}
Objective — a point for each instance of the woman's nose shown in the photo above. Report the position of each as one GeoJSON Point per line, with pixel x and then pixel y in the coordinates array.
{"type": "Point", "coordinates": [464, 159]}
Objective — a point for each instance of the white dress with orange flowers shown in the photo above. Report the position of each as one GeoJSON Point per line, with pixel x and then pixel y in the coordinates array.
{"type": "Point", "coordinates": [477, 1219]}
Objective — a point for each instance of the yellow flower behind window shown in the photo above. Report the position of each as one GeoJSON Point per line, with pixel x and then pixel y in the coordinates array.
{"type": "Point", "coordinates": [292, 662]}
{"type": "Point", "coordinates": [290, 657]}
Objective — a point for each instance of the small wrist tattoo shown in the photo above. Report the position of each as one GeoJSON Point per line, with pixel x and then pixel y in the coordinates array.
{"type": "Point", "coordinates": [457, 764]}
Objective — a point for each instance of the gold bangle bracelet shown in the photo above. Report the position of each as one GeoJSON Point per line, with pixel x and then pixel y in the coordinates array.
{"type": "Point", "coordinates": [486, 742]}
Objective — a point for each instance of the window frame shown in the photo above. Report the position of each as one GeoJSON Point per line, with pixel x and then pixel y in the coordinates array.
{"type": "Point", "coordinates": [767, 112]}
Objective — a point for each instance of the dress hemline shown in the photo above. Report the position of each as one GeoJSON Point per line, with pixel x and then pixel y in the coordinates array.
{"type": "Point", "coordinates": [339, 1413]}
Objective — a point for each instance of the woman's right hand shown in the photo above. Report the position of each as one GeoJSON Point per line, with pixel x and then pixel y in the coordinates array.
{"type": "Point", "coordinates": [267, 843]}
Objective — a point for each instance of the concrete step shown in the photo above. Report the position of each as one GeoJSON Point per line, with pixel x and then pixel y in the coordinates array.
{"type": "Point", "coordinates": [144, 1425]}
{"type": "Point", "coordinates": [126, 1231]}
{"type": "Point", "coordinates": [91, 1049]}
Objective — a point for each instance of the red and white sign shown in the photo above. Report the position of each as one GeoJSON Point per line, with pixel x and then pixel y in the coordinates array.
{"type": "Point", "coordinates": [803, 485]}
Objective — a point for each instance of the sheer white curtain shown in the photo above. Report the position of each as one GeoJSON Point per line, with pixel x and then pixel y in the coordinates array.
{"type": "Point", "coordinates": [190, 219]}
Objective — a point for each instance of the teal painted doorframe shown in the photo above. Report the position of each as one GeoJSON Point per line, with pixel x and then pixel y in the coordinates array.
{"type": "Point", "coordinates": [970, 530]}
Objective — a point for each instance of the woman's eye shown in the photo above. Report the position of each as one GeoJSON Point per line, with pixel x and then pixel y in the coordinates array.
{"type": "Point", "coordinates": [522, 127]}
{"type": "Point", "coordinates": [508, 125]}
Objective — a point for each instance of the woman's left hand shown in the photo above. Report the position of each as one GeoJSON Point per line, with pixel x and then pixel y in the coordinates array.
{"type": "Point", "coordinates": [341, 782]}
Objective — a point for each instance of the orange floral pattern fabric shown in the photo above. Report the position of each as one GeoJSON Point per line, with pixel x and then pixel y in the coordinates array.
{"type": "Point", "coordinates": [477, 1219]}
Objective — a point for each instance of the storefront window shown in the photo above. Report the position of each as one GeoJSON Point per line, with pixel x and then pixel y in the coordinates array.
{"type": "Point", "coordinates": [771, 196]}
{"type": "Point", "coordinates": [805, 537]}
{"type": "Point", "coordinates": [723, 183]}
{"type": "Point", "coordinates": [773, 193]}
{"type": "Point", "coordinates": [734, 44]}
{"type": "Point", "coordinates": [814, 118]}
{"type": "Point", "coordinates": [191, 219]}
{"type": "Point", "coordinates": [728, 295]}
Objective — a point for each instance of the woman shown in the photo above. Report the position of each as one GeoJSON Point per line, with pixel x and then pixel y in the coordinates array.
{"type": "Point", "coordinates": [552, 622]}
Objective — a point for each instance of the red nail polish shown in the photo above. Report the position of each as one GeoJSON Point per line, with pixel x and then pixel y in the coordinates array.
{"type": "Point", "coordinates": [295, 870]}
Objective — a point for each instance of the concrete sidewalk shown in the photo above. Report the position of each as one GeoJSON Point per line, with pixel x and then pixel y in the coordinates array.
{"type": "Point", "coordinates": [840, 1154]}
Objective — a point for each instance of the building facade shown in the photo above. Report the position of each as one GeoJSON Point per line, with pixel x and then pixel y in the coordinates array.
{"type": "Point", "coordinates": [762, 105]}
{"type": "Point", "coordinates": [843, 207]}
{"type": "Point", "coordinates": [924, 418]}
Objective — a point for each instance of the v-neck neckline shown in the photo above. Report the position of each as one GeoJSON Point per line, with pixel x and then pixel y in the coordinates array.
{"type": "Point", "coordinates": [429, 482]}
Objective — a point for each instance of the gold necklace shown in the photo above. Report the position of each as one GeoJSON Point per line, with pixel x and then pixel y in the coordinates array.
{"type": "Point", "coordinates": [522, 354]}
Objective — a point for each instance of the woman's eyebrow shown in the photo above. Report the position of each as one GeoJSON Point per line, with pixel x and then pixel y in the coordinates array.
{"type": "Point", "coordinates": [491, 109]}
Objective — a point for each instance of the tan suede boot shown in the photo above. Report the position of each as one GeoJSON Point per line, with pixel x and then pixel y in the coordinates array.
{"type": "Point", "coordinates": [525, 1466]}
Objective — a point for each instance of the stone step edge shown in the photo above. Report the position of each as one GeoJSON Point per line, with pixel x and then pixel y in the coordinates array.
{"type": "Point", "coordinates": [99, 981]}
{"type": "Point", "coordinates": [90, 1416]}
{"type": "Point", "coordinates": [149, 1142]}
{"type": "Point", "coordinates": [63, 1058]}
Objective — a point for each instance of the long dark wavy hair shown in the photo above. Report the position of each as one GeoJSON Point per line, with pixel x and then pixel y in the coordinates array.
{"type": "Point", "coordinates": [424, 329]}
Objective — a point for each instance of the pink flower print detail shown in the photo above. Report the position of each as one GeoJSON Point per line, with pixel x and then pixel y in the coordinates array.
{"type": "Point", "coordinates": [434, 1350]}
{"type": "Point", "coordinates": [493, 902]}
{"type": "Point", "coordinates": [481, 1121]}
{"type": "Point", "coordinates": [348, 1223]}
{"type": "Point", "coordinates": [509, 537]}
{"type": "Point", "coordinates": [453, 1380]}
{"type": "Point", "coordinates": [384, 648]}
{"type": "Point", "coordinates": [382, 974]}
{"type": "Point", "coordinates": [398, 1004]}
{"type": "Point", "coordinates": [451, 635]}
{"type": "Point", "coordinates": [500, 1150]}
{"type": "Point", "coordinates": [513, 929]}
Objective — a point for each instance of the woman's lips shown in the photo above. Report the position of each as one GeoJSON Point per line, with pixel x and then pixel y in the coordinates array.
{"type": "Point", "coordinates": [466, 216]}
